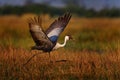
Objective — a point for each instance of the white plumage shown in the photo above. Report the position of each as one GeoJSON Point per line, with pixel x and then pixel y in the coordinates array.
{"type": "Point", "coordinates": [55, 32]}
{"type": "Point", "coordinates": [58, 45]}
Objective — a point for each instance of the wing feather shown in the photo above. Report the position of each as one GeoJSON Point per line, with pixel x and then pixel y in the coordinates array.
{"type": "Point", "coordinates": [37, 33]}
{"type": "Point", "coordinates": [58, 26]}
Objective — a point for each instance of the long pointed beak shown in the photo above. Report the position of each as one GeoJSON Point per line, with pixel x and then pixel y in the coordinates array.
{"type": "Point", "coordinates": [73, 39]}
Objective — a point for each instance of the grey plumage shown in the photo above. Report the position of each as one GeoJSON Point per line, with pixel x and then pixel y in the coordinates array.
{"type": "Point", "coordinates": [61, 22]}
{"type": "Point", "coordinates": [39, 36]}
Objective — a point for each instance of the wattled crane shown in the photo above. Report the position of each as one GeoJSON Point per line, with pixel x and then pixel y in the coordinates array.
{"type": "Point", "coordinates": [47, 40]}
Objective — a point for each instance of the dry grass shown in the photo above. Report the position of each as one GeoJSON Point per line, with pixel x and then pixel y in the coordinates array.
{"type": "Point", "coordinates": [84, 61]}
{"type": "Point", "coordinates": [79, 65]}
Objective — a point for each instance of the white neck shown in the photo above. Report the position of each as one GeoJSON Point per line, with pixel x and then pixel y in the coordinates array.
{"type": "Point", "coordinates": [65, 41]}
{"type": "Point", "coordinates": [58, 45]}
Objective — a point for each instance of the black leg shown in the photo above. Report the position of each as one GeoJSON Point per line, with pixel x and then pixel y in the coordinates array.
{"type": "Point", "coordinates": [50, 58]}
{"type": "Point", "coordinates": [30, 58]}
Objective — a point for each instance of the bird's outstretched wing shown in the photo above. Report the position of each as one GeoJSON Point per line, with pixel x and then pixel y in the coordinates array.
{"type": "Point", "coordinates": [57, 27]}
{"type": "Point", "coordinates": [37, 33]}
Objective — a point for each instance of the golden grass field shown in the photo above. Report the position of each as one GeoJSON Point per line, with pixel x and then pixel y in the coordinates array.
{"type": "Point", "coordinates": [94, 55]}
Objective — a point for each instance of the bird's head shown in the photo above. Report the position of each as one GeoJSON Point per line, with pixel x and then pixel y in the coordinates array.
{"type": "Point", "coordinates": [68, 37]}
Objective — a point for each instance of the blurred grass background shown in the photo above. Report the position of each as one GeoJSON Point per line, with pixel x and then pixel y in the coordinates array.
{"type": "Point", "coordinates": [91, 34]}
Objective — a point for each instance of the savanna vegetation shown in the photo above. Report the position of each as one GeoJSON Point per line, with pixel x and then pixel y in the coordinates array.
{"type": "Point", "coordinates": [93, 55]}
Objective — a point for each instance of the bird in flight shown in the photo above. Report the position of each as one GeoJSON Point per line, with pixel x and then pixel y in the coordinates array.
{"type": "Point", "coordinates": [47, 40]}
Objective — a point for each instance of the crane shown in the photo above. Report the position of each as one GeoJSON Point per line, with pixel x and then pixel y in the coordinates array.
{"type": "Point", "coordinates": [47, 40]}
